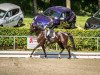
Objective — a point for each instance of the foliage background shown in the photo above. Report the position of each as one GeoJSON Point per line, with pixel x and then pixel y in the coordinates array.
{"type": "Point", "coordinates": [80, 7]}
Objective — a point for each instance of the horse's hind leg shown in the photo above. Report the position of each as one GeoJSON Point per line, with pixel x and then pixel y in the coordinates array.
{"type": "Point", "coordinates": [62, 47]}
{"type": "Point", "coordinates": [43, 47]}
{"type": "Point", "coordinates": [59, 56]}
{"type": "Point", "coordinates": [68, 48]}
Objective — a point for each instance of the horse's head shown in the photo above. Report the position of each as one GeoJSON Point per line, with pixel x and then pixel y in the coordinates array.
{"type": "Point", "coordinates": [34, 28]}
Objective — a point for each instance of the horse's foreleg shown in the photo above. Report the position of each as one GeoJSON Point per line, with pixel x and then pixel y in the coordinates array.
{"type": "Point", "coordinates": [43, 47]}
{"type": "Point", "coordinates": [34, 49]}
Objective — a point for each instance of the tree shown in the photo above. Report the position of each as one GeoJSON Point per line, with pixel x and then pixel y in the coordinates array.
{"type": "Point", "coordinates": [99, 4]}
{"type": "Point", "coordinates": [34, 6]}
{"type": "Point", "coordinates": [68, 3]}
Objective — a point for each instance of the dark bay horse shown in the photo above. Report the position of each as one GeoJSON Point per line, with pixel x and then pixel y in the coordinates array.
{"type": "Point", "coordinates": [60, 37]}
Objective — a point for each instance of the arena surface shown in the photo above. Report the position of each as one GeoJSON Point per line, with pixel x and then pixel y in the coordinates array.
{"type": "Point", "coordinates": [49, 66]}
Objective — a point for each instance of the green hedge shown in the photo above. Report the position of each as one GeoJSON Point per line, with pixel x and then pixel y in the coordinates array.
{"type": "Point", "coordinates": [13, 31]}
{"type": "Point", "coordinates": [25, 32]}
{"type": "Point", "coordinates": [82, 33]}
{"type": "Point", "coordinates": [89, 44]}
{"type": "Point", "coordinates": [86, 43]}
{"type": "Point", "coordinates": [8, 42]}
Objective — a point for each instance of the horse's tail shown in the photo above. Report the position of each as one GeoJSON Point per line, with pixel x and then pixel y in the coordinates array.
{"type": "Point", "coordinates": [72, 40]}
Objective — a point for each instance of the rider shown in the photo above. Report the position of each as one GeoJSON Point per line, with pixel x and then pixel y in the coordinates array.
{"type": "Point", "coordinates": [49, 32]}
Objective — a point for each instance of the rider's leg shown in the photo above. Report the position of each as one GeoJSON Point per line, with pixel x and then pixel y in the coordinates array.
{"type": "Point", "coordinates": [48, 34]}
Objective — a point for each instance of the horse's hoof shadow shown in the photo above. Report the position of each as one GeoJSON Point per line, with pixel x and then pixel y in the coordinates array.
{"type": "Point", "coordinates": [69, 57]}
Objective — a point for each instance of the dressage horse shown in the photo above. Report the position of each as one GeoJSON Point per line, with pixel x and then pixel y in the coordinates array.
{"type": "Point", "coordinates": [60, 37]}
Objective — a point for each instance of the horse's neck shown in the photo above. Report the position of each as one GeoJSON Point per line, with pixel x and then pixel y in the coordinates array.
{"type": "Point", "coordinates": [38, 32]}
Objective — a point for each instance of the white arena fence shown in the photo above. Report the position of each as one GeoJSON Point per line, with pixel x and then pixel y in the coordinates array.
{"type": "Point", "coordinates": [20, 43]}
{"type": "Point", "coordinates": [26, 54]}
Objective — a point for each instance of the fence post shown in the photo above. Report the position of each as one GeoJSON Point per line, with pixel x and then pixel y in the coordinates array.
{"type": "Point", "coordinates": [56, 46]}
{"type": "Point", "coordinates": [14, 42]}
{"type": "Point", "coordinates": [97, 44]}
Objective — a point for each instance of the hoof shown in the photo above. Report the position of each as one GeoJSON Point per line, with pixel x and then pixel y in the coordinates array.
{"type": "Point", "coordinates": [45, 56]}
{"type": "Point", "coordinates": [30, 56]}
{"type": "Point", "coordinates": [59, 57]}
{"type": "Point", "coordinates": [69, 57]}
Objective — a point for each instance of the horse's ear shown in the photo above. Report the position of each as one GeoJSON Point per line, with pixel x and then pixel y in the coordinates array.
{"type": "Point", "coordinates": [30, 24]}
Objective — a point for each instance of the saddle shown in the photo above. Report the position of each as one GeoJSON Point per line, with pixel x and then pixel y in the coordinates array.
{"type": "Point", "coordinates": [50, 35]}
